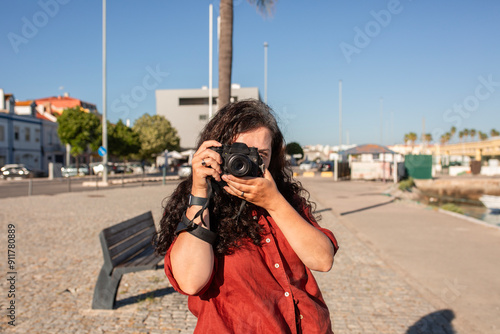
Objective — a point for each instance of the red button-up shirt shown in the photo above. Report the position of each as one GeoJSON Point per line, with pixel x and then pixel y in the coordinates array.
{"type": "Point", "coordinates": [264, 289]}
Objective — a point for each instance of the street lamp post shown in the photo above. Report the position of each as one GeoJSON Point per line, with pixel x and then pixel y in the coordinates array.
{"type": "Point", "coordinates": [265, 71]}
{"type": "Point", "coordinates": [104, 121]}
{"type": "Point", "coordinates": [210, 61]}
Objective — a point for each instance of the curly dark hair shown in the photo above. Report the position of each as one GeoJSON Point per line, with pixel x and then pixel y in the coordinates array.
{"type": "Point", "coordinates": [233, 119]}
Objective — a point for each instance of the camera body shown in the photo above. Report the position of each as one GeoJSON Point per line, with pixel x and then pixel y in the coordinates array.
{"type": "Point", "coordinates": [240, 160]}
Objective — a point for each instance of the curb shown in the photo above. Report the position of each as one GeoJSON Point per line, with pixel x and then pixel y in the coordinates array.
{"type": "Point", "coordinates": [132, 180]}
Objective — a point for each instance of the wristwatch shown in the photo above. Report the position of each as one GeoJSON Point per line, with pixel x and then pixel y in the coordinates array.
{"type": "Point", "coordinates": [193, 200]}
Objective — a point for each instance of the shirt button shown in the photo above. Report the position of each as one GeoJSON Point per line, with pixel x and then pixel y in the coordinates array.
{"type": "Point", "coordinates": [301, 317]}
{"type": "Point", "coordinates": [268, 240]}
{"type": "Point", "coordinates": [287, 294]}
{"type": "Point", "coordinates": [276, 266]}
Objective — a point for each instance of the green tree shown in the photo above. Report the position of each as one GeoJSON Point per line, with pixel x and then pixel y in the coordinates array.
{"type": "Point", "coordinates": [226, 44]}
{"type": "Point", "coordinates": [123, 142]}
{"type": "Point", "coordinates": [494, 133]}
{"type": "Point", "coordinates": [461, 135]}
{"type": "Point", "coordinates": [79, 129]}
{"type": "Point", "coordinates": [156, 135]}
{"type": "Point", "coordinates": [294, 148]}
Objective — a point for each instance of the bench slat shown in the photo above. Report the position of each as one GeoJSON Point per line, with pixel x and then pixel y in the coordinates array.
{"type": "Point", "coordinates": [131, 252]}
{"type": "Point", "coordinates": [146, 258]}
{"type": "Point", "coordinates": [136, 242]}
{"type": "Point", "coordinates": [122, 231]}
{"type": "Point", "coordinates": [128, 223]}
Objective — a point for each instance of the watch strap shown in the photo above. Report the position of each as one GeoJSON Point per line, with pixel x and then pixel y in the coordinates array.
{"type": "Point", "coordinates": [193, 200]}
{"type": "Point", "coordinates": [186, 225]}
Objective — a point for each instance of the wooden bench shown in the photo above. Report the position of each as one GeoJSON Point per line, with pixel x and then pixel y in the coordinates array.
{"type": "Point", "coordinates": [126, 247]}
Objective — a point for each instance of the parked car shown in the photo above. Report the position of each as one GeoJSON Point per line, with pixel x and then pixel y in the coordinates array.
{"type": "Point", "coordinates": [15, 170]}
{"type": "Point", "coordinates": [307, 165]}
{"type": "Point", "coordinates": [184, 170]}
{"type": "Point", "coordinates": [326, 166]}
{"type": "Point", "coordinates": [133, 167]}
{"type": "Point", "coordinates": [71, 170]}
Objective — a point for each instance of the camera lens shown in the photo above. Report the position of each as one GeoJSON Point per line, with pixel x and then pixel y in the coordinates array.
{"type": "Point", "coordinates": [239, 165]}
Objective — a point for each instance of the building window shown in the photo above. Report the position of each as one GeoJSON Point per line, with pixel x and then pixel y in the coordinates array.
{"type": "Point", "coordinates": [195, 101]}
{"type": "Point", "coordinates": [16, 133]}
{"type": "Point", "coordinates": [27, 134]}
{"type": "Point", "coordinates": [37, 135]}
{"type": "Point", "coordinates": [203, 117]}
{"type": "Point", "coordinates": [2, 133]}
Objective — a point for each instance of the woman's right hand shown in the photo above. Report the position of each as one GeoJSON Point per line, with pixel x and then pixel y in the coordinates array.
{"type": "Point", "coordinates": [206, 162]}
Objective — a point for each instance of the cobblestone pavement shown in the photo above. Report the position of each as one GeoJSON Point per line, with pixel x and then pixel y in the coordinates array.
{"type": "Point", "coordinates": [58, 258]}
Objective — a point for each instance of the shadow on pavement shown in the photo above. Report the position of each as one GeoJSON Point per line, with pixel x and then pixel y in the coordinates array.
{"type": "Point", "coordinates": [322, 210]}
{"type": "Point", "coordinates": [143, 296]}
{"type": "Point", "coordinates": [436, 322]}
{"type": "Point", "coordinates": [367, 208]}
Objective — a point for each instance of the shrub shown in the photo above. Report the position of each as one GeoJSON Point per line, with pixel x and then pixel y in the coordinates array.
{"type": "Point", "coordinates": [452, 207]}
{"type": "Point", "coordinates": [407, 184]}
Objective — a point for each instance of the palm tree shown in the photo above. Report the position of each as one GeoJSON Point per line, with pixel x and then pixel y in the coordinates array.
{"type": "Point", "coordinates": [482, 135]}
{"type": "Point", "coordinates": [447, 136]}
{"type": "Point", "coordinates": [461, 135]}
{"type": "Point", "coordinates": [494, 133]}
{"type": "Point", "coordinates": [443, 139]}
{"type": "Point", "coordinates": [412, 137]}
{"type": "Point", "coordinates": [472, 133]}
{"type": "Point", "coordinates": [226, 45]}
{"type": "Point", "coordinates": [466, 133]}
{"type": "Point", "coordinates": [428, 137]}
{"type": "Point", "coordinates": [453, 130]}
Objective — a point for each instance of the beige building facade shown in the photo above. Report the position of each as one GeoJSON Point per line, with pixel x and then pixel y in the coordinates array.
{"type": "Point", "coordinates": [188, 109]}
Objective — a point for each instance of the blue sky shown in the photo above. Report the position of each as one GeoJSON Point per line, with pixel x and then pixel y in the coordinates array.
{"type": "Point", "coordinates": [438, 60]}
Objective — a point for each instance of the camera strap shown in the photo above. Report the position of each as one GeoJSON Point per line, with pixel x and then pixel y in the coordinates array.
{"type": "Point", "coordinates": [212, 184]}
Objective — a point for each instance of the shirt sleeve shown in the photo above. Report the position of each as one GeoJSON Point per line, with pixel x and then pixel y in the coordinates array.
{"type": "Point", "coordinates": [310, 218]}
{"type": "Point", "coordinates": [173, 281]}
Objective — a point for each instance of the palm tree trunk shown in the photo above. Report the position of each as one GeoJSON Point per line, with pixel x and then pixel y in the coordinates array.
{"type": "Point", "coordinates": [225, 52]}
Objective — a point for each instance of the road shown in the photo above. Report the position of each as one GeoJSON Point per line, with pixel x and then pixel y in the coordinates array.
{"type": "Point", "coordinates": [44, 186]}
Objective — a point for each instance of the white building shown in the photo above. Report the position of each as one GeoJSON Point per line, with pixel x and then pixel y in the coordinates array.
{"type": "Point", "coordinates": [26, 136]}
{"type": "Point", "coordinates": [187, 109]}
{"type": "Point", "coordinates": [21, 139]}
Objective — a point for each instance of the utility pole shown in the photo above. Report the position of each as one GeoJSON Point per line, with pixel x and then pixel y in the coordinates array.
{"type": "Point", "coordinates": [340, 115]}
{"type": "Point", "coordinates": [210, 60]}
{"type": "Point", "coordinates": [265, 72]}
{"type": "Point", "coordinates": [381, 123]}
{"type": "Point", "coordinates": [104, 121]}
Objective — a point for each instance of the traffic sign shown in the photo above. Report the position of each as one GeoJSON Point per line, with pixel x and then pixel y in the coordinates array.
{"type": "Point", "coordinates": [102, 151]}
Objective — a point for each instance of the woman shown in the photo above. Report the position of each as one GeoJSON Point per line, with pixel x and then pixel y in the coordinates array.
{"type": "Point", "coordinates": [246, 268]}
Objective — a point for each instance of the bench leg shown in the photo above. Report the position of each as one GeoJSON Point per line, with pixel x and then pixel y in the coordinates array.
{"type": "Point", "coordinates": [105, 290]}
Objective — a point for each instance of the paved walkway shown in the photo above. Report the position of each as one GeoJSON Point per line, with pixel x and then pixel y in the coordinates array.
{"type": "Point", "coordinates": [58, 259]}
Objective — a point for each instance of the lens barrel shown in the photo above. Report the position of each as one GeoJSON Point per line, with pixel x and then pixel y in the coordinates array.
{"type": "Point", "coordinates": [239, 165]}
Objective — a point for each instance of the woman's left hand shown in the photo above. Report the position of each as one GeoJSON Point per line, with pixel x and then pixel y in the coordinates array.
{"type": "Point", "coordinates": [261, 191]}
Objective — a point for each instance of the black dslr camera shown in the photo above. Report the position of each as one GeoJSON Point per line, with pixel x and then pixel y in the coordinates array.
{"type": "Point", "coordinates": [240, 160]}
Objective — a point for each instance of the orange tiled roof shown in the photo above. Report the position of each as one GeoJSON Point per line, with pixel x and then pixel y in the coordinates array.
{"type": "Point", "coordinates": [24, 103]}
